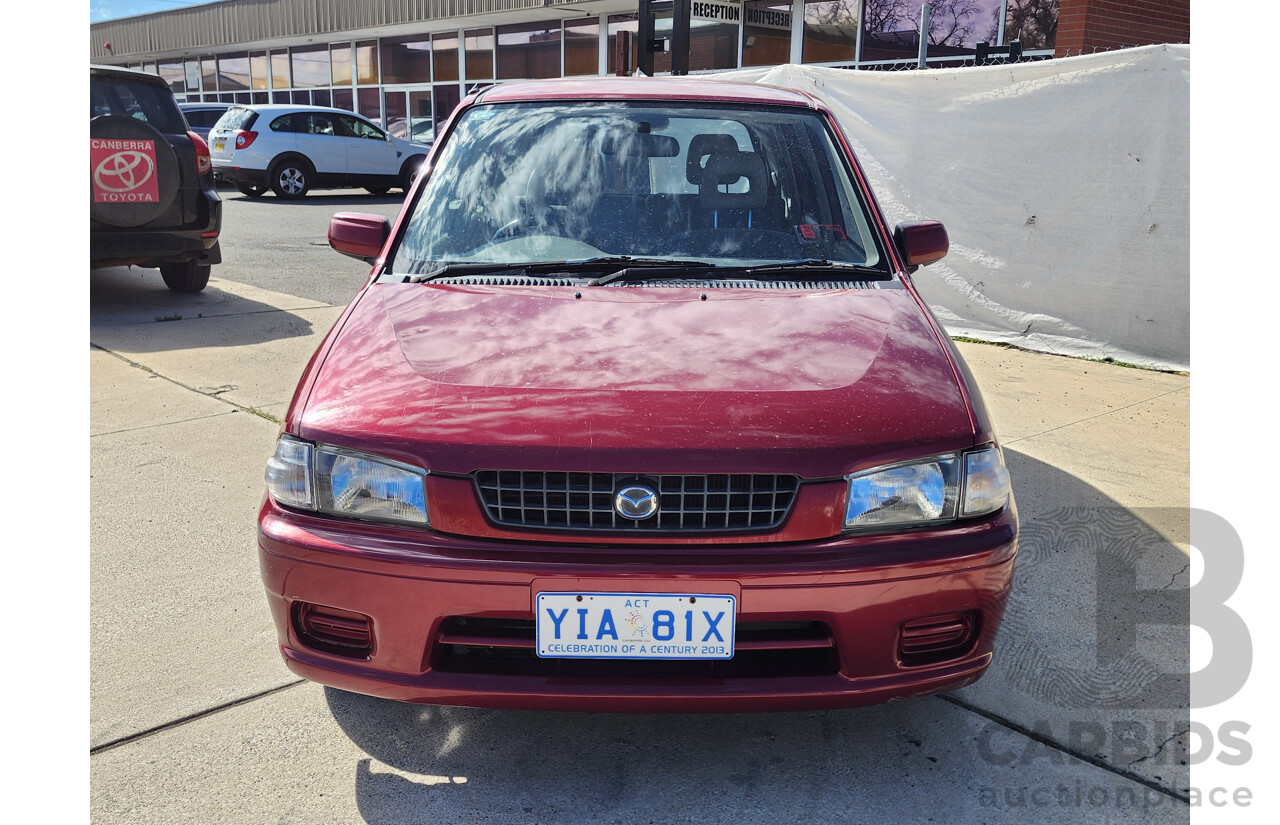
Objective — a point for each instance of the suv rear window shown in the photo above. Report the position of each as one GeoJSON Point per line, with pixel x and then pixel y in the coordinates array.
{"type": "Point", "coordinates": [150, 104]}
{"type": "Point", "coordinates": [238, 118]}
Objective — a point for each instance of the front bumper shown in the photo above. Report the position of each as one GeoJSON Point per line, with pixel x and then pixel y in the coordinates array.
{"type": "Point", "coordinates": [434, 600]}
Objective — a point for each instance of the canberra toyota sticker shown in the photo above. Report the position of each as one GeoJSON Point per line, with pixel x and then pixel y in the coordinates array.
{"type": "Point", "coordinates": [124, 171]}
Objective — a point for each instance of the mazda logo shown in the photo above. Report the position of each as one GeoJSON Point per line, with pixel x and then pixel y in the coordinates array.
{"type": "Point", "coordinates": [636, 502]}
{"type": "Point", "coordinates": [124, 171]}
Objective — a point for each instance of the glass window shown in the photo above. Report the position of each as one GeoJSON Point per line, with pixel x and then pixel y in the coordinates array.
{"type": "Point", "coordinates": [444, 56]}
{"type": "Point", "coordinates": [421, 126]}
{"type": "Point", "coordinates": [619, 23]}
{"type": "Point", "coordinates": [310, 66]}
{"type": "Point", "coordinates": [766, 33]}
{"type": "Point", "coordinates": [447, 98]}
{"type": "Point", "coordinates": [302, 96]}
{"type": "Point", "coordinates": [318, 123]}
{"type": "Point", "coordinates": [320, 97]}
{"type": "Point", "coordinates": [406, 60]}
{"type": "Point", "coordinates": [529, 50]}
{"type": "Point", "coordinates": [340, 60]}
{"type": "Point", "coordinates": [355, 127]}
{"type": "Point", "coordinates": [121, 96]}
{"type": "Point", "coordinates": [713, 42]}
{"type": "Point", "coordinates": [831, 30]}
{"type": "Point", "coordinates": [731, 185]}
{"type": "Point", "coordinates": [962, 24]}
{"type": "Point", "coordinates": [284, 123]}
{"type": "Point", "coordinates": [209, 74]}
{"type": "Point", "coordinates": [239, 119]}
{"type": "Point", "coordinates": [892, 29]}
{"type": "Point", "coordinates": [175, 74]}
{"type": "Point", "coordinates": [1034, 22]}
{"type": "Point", "coordinates": [367, 61]}
{"type": "Point", "coordinates": [259, 75]}
{"type": "Point", "coordinates": [479, 47]}
{"type": "Point", "coordinates": [581, 47]}
{"type": "Point", "coordinates": [344, 99]}
{"type": "Point", "coordinates": [233, 72]}
{"type": "Point", "coordinates": [369, 103]}
{"type": "Point", "coordinates": [397, 113]}
{"type": "Point", "coordinates": [280, 77]}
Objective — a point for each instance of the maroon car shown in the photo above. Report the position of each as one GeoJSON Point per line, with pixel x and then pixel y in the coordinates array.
{"type": "Point", "coordinates": [638, 411]}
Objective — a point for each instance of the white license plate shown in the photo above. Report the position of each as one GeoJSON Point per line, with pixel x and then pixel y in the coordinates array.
{"type": "Point", "coordinates": [635, 626]}
{"type": "Point", "coordinates": [219, 145]}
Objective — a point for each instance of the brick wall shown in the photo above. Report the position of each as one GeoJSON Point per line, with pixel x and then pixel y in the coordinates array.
{"type": "Point", "coordinates": [1086, 26]}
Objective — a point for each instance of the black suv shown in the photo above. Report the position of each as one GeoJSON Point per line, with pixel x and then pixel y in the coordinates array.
{"type": "Point", "coordinates": [150, 181]}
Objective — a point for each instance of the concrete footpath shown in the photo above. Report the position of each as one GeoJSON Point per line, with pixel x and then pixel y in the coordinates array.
{"type": "Point", "coordinates": [194, 717]}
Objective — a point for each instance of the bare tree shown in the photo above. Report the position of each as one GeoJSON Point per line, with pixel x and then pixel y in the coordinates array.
{"type": "Point", "coordinates": [884, 15]}
{"type": "Point", "coordinates": [834, 13]}
{"type": "Point", "coordinates": [953, 22]}
{"type": "Point", "coordinates": [1034, 22]}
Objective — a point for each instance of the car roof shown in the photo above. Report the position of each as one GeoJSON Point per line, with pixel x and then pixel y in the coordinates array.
{"type": "Point", "coordinates": [644, 88]}
{"type": "Point", "coordinates": [280, 108]}
{"type": "Point", "coordinates": [131, 74]}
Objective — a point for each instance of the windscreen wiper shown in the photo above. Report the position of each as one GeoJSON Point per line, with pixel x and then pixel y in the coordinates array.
{"type": "Point", "coordinates": [814, 265]}
{"type": "Point", "coordinates": [616, 263]}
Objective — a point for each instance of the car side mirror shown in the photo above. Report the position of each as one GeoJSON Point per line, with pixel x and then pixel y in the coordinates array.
{"type": "Point", "coordinates": [359, 235]}
{"type": "Point", "coordinates": [921, 242]}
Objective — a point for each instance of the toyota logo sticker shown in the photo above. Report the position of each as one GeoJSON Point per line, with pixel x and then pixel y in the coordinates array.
{"type": "Point", "coordinates": [124, 171]}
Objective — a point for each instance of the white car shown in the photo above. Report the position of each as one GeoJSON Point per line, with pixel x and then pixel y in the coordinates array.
{"type": "Point", "coordinates": [293, 149]}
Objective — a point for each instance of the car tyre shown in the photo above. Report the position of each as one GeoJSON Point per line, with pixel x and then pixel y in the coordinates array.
{"type": "Point", "coordinates": [291, 178]}
{"type": "Point", "coordinates": [378, 190]}
{"type": "Point", "coordinates": [409, 173]}
{"type": "Point", "coordinates": [189, 276]}
{"type": "Point", "coordinates": [250, 189]}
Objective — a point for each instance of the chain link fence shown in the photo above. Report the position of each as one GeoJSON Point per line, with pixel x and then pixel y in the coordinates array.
{"type": "Point", "coordinates": [970, 61]}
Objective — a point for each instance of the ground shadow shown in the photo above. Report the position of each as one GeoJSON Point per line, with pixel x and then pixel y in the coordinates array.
{"type": "Point", "coordinates": [323, 198]}
{"type": "Point", "coordinates": [924, 759]}
{"type": "Point", "coordinates": [133, 304]}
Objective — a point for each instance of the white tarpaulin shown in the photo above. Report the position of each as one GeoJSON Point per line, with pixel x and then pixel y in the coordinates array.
{"type": "Point", "coordinates": [1064, 185]}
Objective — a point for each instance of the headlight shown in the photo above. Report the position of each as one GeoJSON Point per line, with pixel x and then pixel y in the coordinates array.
{"type": "Point", "coordinates": [931, 490]}
{"type": "Point", "coordinates": [346, 483]}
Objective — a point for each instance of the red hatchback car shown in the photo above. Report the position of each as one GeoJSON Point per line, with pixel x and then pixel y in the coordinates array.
{"type": "Point", "coordinates": [638, 411]}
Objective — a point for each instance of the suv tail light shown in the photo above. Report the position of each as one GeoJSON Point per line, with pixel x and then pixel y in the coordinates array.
{"type": "Point", "coordinates": [203, 162]}
{"type": "Point", "coordinates": [245, 139]}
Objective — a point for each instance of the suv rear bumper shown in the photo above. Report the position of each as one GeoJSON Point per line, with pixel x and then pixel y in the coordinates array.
{"type": "Point", "coordinates": [152, 247]}
{"type": "Point", "coordinates": [236, 174]}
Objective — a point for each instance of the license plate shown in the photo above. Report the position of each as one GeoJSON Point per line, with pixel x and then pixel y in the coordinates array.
{"type": "Point", "coordinates": [219, 145]}
{"type": "Point", "coordinates": [635, 626]}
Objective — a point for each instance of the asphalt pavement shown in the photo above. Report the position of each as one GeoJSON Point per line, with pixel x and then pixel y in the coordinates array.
{"type": "Point", "coordinates": [194, 717]}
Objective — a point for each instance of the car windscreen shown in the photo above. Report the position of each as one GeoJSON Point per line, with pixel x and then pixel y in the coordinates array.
{"type": "Point", "coordinates": [142, 101]}
{"type": "Point", "coordinates": [723, 184]}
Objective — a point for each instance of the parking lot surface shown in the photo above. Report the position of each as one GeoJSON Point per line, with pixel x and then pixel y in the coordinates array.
{"type": "Point", "coordinates": [194, 717]}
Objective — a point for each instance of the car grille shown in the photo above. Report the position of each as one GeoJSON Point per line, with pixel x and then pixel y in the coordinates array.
{"type": "Point", "coordinates": [507, 647]}
{"type": "Point", "coordinates": [585, 501]}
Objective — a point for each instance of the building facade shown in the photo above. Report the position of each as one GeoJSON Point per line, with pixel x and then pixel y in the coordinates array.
{"type": "Point", "coordinates": [411, 61]}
